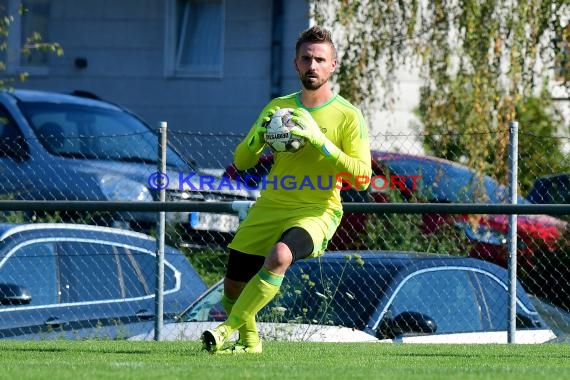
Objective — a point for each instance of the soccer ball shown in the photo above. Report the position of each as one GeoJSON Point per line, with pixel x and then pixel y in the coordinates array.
{"type": "Point", "coordinates": [278, 136]}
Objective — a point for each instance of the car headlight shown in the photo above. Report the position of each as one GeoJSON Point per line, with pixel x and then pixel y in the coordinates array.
{"type": "Point", "coordinates": [117, 188]}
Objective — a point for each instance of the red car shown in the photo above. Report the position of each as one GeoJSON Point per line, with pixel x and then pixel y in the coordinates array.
{"type": "Point", "coordinates": [443, 181]}
{"type": "Point", "coordinates": [429, 179]}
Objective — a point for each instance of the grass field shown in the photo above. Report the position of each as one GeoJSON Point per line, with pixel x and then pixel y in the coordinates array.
{"type": "Point", "coordinates": [280, 360]}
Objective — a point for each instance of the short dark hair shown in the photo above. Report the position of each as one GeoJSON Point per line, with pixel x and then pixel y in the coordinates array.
{"type": "Point", "coordinates": [316, 34]}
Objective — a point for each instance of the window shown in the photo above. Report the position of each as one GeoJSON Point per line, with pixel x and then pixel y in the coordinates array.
{"type": "Point", "coordinates": [93, 132]}
{"type": "Point", "coordinates": [128, 273]}
{"type": "Point", "coordinates": [442, 295]}
{"type": "Point", "coordinates": [207, 308]}
{"type": "Point", "coordinates": [81, 266]}
{"type": "Point", "coordinates": [341, 293]}
{"type": "Point", "coordinates": [194, 38]}
{"type": "Point", "coordinates": [496, 300]}
{"type": "Point", "coordinates": [34, 267]}
{"type": "Point", "coordinates": [139, 271]}
{"type": "Point", "coordinates": [33, 19]}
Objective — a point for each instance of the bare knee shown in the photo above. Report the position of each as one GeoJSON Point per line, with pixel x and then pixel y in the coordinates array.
{"type": "Point", "coordinates": [279, 259]}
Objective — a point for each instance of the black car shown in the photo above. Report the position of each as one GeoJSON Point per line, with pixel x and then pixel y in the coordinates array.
{"type": "Point", "coordinates": [382, 296]}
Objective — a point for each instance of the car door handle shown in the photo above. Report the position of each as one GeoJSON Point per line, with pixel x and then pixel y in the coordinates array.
{"type": "Point", "coordinates": [53, 322]}
{"type": "Point", "coordinates": [144, 314]}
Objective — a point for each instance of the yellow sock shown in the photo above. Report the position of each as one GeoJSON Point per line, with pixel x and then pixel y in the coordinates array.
{"type": "Point", "coordinates": [248, 333]}
{"type": "Point", "coordinates": [261, 289]}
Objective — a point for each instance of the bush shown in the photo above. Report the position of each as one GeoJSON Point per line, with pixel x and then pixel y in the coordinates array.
{"type": "Point", "coordinates": [404, 232]}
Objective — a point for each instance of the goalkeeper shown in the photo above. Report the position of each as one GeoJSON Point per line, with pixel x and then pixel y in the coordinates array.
{"type": "Point", "coordinates": [285, 225]}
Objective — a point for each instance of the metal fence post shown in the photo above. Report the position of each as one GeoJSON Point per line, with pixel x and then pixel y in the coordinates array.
{"type": "Point", "coordinates": [512, 238]}
{"type": "Point", "coordinates": [159, 290]}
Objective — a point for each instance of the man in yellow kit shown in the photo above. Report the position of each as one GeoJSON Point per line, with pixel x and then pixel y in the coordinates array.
{"type": "Point", "coordinates": [296, 222]}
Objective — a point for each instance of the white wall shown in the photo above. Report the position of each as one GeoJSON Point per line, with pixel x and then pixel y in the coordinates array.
{"type": "Point", "coordinates": [398, 129]}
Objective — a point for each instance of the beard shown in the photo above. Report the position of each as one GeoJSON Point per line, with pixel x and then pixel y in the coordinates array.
{"type": "Point", "coordinates": [312, 82]}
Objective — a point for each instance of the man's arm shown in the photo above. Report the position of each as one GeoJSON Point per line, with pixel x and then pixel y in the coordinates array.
{"type": "Point", "coordinates": [249, 149]}
{"type": "Point", "coordinates": [353, 159]}
{"type": "Point", "coordinates": [358, 167]}
{"type": "Point", "coordinates": [246, 155]}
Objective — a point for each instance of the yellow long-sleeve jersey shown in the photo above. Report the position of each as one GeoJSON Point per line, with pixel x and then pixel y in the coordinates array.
{"type": "Point", "coordinates": [307, 178]}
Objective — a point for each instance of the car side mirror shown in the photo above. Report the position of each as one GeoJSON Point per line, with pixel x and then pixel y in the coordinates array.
{"type": "Point", "coordinates": [12, 294]}
{"type": "Point", "coordinates": [407, 322]}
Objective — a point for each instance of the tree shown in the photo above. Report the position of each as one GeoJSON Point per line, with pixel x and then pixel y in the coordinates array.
{"type": "Point", "coordinates": [482, 62]}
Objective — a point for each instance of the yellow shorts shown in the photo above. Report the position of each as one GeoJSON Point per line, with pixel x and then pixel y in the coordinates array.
{"type": "Point", "coordinates": [263, 226]}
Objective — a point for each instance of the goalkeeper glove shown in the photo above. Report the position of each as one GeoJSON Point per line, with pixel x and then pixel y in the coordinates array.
{"type": "Point", "coordinates": [257, 140]}
{"type": "Point", "coordinates": [312, 133]}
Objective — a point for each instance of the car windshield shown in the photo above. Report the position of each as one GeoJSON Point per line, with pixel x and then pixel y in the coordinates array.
{"type": "Point", "coordinates": [87, 132]}
{"type": "Point", "coordinates": [443, 182]}
{"type": "Point", "coordinates": [341, 293]}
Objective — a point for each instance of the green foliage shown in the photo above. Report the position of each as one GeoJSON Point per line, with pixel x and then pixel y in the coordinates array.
{"type": "Point", "coordinates": [312, 300]}
{"type": "Point", "coordinates": [538, 127]}
{"type": "Point", "coordinates": [12, 217]}
{"type": "Point", "coordinates": [407, 232]}
{"type": "Point", "coordinates": [371, 38]}
{"type": "Point", "coordinates": [481, 62]}
{"type": "Point", "coordinates": [414, 232]}
{"type": "Point", "coordinates": [210, 263]}
{"type": "Point", "coordinates": [34, 43]}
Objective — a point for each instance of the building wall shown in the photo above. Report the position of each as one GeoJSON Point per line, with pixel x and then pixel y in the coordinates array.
{"type": "Point", "coordinates": [123, 42]}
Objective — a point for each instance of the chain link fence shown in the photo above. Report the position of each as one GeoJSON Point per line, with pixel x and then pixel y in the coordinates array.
{"type": "Point", "coordinates": [114, 164]}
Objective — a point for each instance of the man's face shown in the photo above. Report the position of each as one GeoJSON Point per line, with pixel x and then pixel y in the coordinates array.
{"type": "Point", "coordinates": [314, 64]}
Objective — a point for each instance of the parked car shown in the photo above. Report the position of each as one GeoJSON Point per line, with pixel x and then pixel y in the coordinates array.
{"type": "Point", "coordinates": [381, 296]}
{"type": "Point", "coordinates": [429, 179]}
{"type": "Point", "coordinates": [443, 181]}
{"type": "Point", "coordinates": [72, 281]}
{"type": "Point", "coordinates": [75, 147]}
{"type": "Point", "coordinates": [551, 189]}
